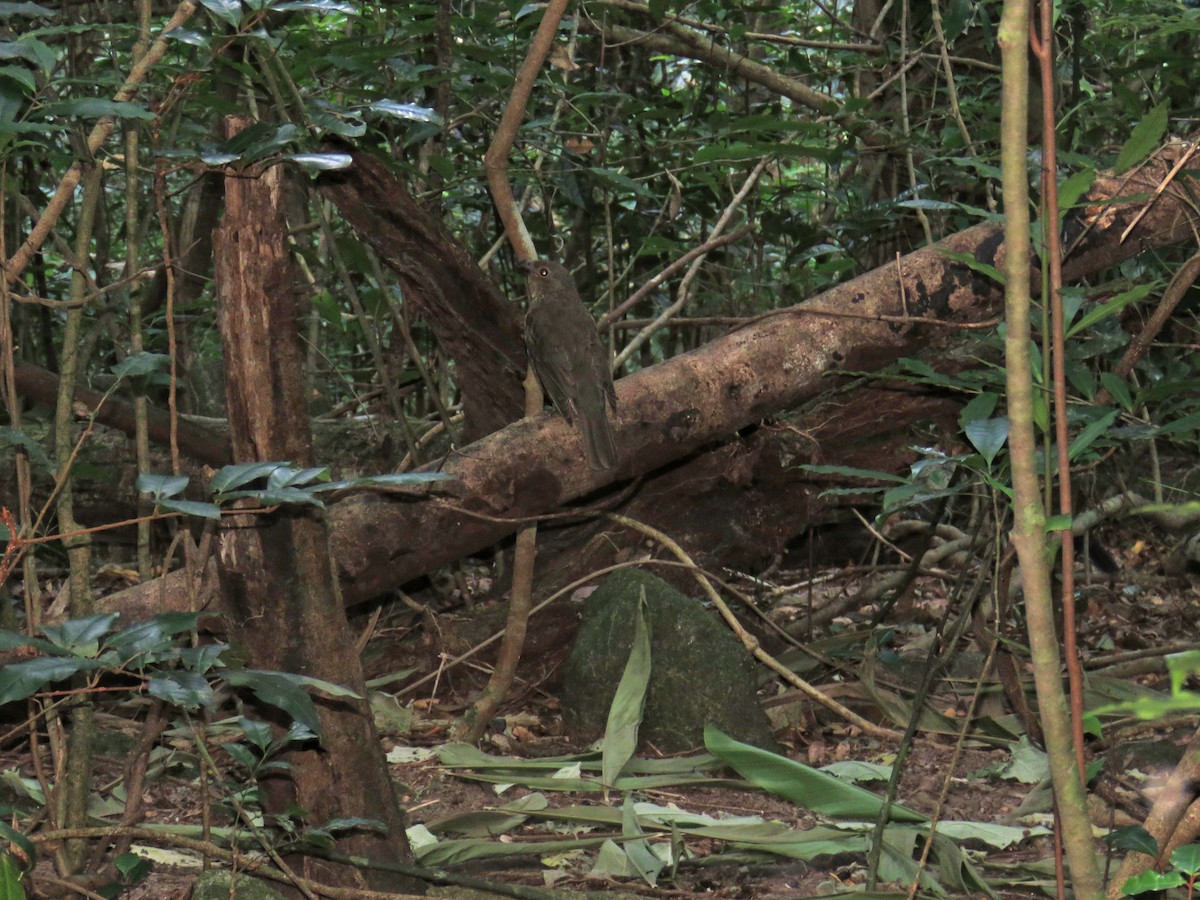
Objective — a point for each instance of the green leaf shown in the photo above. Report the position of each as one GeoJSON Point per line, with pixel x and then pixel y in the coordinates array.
{"type": "Point", "coordinates": [342, 122]}
{"type": "Point", "coordinates": [23, 77]}
{"type": "Point", "coordinates": [24, 679]}
{"type": "Point", "coordinates": [734, 151]}
{"type": "Point", "coordinates": [1073, 188]}
{"type": "Point", "coordinates": [11, 640]}
{"type": "Point", "coordinates": [955, 18]}
{"type": "Point", "coordinates": [261, 139]}
{"type": "Point", "coordinates": [229, 10]}
{"type": "Point", "coordinates": [143, 363]}
{"type": "Point", "coordinates": [987, 436]}
{"type": "Point", "coordinates": [321, 162]}
{"type": "Point", "coordinates": [1151, 881]}
{"type": "Point", "coordinates": [191, 508]}
{"type": "Point", "coordinates": [998, 836]}
{"type": "Point", "coordinates": [286, 691]}
{"type": "Point", "coordinates": [628, 703]}
{"type": "Point", "coordinates": [1112, 307]}
{"type": "Point", "coordinates": [900, 497]}
{"type": "Point", "coordinates": [398, 479]}
{"type": "Point", "coordinates": [611, 862]}
{"type": "Point", "coordinates": [188, 36]}
{"type": "Point", "coordinates": [257, 733]}
{"type": "Point", "coordinates": [1059, 522]}
{"type": "Point", "coordinates": [1092, 432]}
{"type": "Point", "coordinates": [153, 634]}
{"type": "Point", "coordinates": [229, 478]}
{"type": "Point", "coordinates": [1028, 765]}
{"type": "Point", "coordinates": [974, 265]}
{"type": "Point", "coordinates": [981, 406]}
{"type": "Point", "coordinates": [1181, 666]}
{"type": "Point", "coordinates": [278, 497]}
{"type": "Point", "coordinates": [278, 690]}
{"type": "Point", "coordinates": [1186, 424]}
{"type": "Point", "coordinates": [285, 477]}
{"type": "Point", "coordinates": [218, 158]}
{"type": "Point", "coordinates": [1132, 838]}
{"type": "Point", "coordinates": [806, 787]}
{"type": "Point", "coordinates": [201, 659]}
{"type": "Point", "coordinates": [31, 51]}
{"type": "Point", "coordinates": [1072, 300]}
{"type": "Point", "coordinates": [95, 108]}
{"type": "Point", "coordinates": [637, 849]}
{"type": "Point", "coordinates": [187, 690]}
{"type": "Point", "coordinates": [1187, 859]}
{"type": "Point", "coordinates": [854, 771]}
{"type": "Point", "coordinates": [491, 822]}
{"type": "Point", "coordinates": [81, 636]}
{"type": "Point", "coordinates": [240, 754]}
{"type": "Point", "coordinates": [1119, 389]}
{"type": "Point", "coordinates": [161, 486]}
{"type": "Point", "coordinates": [919, 203]}
{"type": "Point", "coordinates": [408, 111]}
{"type": "Point", "coordinates": [24, 846]}
{"type": "Point", "coordinates": [354, 823]}
{"type": "Point", "coordinates": [133, 868]}
{"type": "Point", "coordinates": [1143, 139]}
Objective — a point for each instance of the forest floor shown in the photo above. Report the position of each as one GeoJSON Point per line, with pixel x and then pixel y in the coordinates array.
{"type": "Point", "coordinates": [520, 832]}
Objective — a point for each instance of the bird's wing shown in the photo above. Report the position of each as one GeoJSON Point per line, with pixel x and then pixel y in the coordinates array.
{"type": "Point", "coordinates": [549, 364]}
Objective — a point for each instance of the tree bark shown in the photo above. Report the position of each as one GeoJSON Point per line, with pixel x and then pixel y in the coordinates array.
{"type": "Point", "coordinates": [687, 403]}
{"type": "Point", "coordinates": [40, 385]}
{"type": "Point", "coordinates": [475, 325]}
{"type": "Point", "coordinates": [283, 603]}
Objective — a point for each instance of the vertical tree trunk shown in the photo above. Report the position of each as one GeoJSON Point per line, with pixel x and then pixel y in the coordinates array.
{"type": "Point", "coordinates": [276, 570]}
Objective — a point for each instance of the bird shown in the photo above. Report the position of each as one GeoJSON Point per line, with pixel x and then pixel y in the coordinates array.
{"type": "Point", "coordinates": [570, 361]}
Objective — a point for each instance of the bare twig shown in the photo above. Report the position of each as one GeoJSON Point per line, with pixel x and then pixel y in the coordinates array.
{"type": "Point", "coordinates": [684, 294]}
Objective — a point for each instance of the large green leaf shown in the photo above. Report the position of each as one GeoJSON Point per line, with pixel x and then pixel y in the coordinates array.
{"type": "Point", "coordinates": [287, 692]}
{"type": "Point", "coordinates": [188, 690]}
{"type": "Point", "coordinates": [806, 787]}
{"type": "Point", "coordinates": [81, 636]}
{"type": "Point", "coordinates": [24, 679]}
{"type": "Point", "coordinates": [629, 701]}
{"type": "Point", "coordinates": [153, 634]}
{"type": "Point", "coordinates": [229, 478]}
{"type": "Point", "coordinates": [1143, 139]}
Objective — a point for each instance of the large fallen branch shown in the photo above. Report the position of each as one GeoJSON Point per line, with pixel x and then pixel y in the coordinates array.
{"type": "Point", "coordinates": [666, 412]}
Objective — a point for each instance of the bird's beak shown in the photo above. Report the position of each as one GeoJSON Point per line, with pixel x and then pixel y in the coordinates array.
{"type": "Point", "coordinates": [527, 264]}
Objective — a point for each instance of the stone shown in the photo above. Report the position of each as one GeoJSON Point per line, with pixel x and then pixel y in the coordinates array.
{"type": "Point", "coordinates": [700, 674]}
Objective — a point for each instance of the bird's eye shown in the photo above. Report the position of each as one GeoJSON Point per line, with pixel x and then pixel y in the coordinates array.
{"type": "Point", "coordinates": [543, 271]}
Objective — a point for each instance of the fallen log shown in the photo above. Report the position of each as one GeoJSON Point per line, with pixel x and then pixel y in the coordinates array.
{"type": "Point", "coordinates": [669, 411]}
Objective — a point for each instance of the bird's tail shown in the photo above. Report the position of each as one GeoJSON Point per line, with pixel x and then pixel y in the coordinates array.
{"type": "Point", "coordinates": [598, 441]}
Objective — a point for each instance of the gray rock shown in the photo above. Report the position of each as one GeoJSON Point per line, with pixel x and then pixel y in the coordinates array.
{"type": "Point", "coordinates": [700, 673]}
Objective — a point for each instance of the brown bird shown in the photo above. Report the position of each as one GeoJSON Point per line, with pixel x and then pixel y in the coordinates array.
{"type": "Point", "coordinates": [569, 359]}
